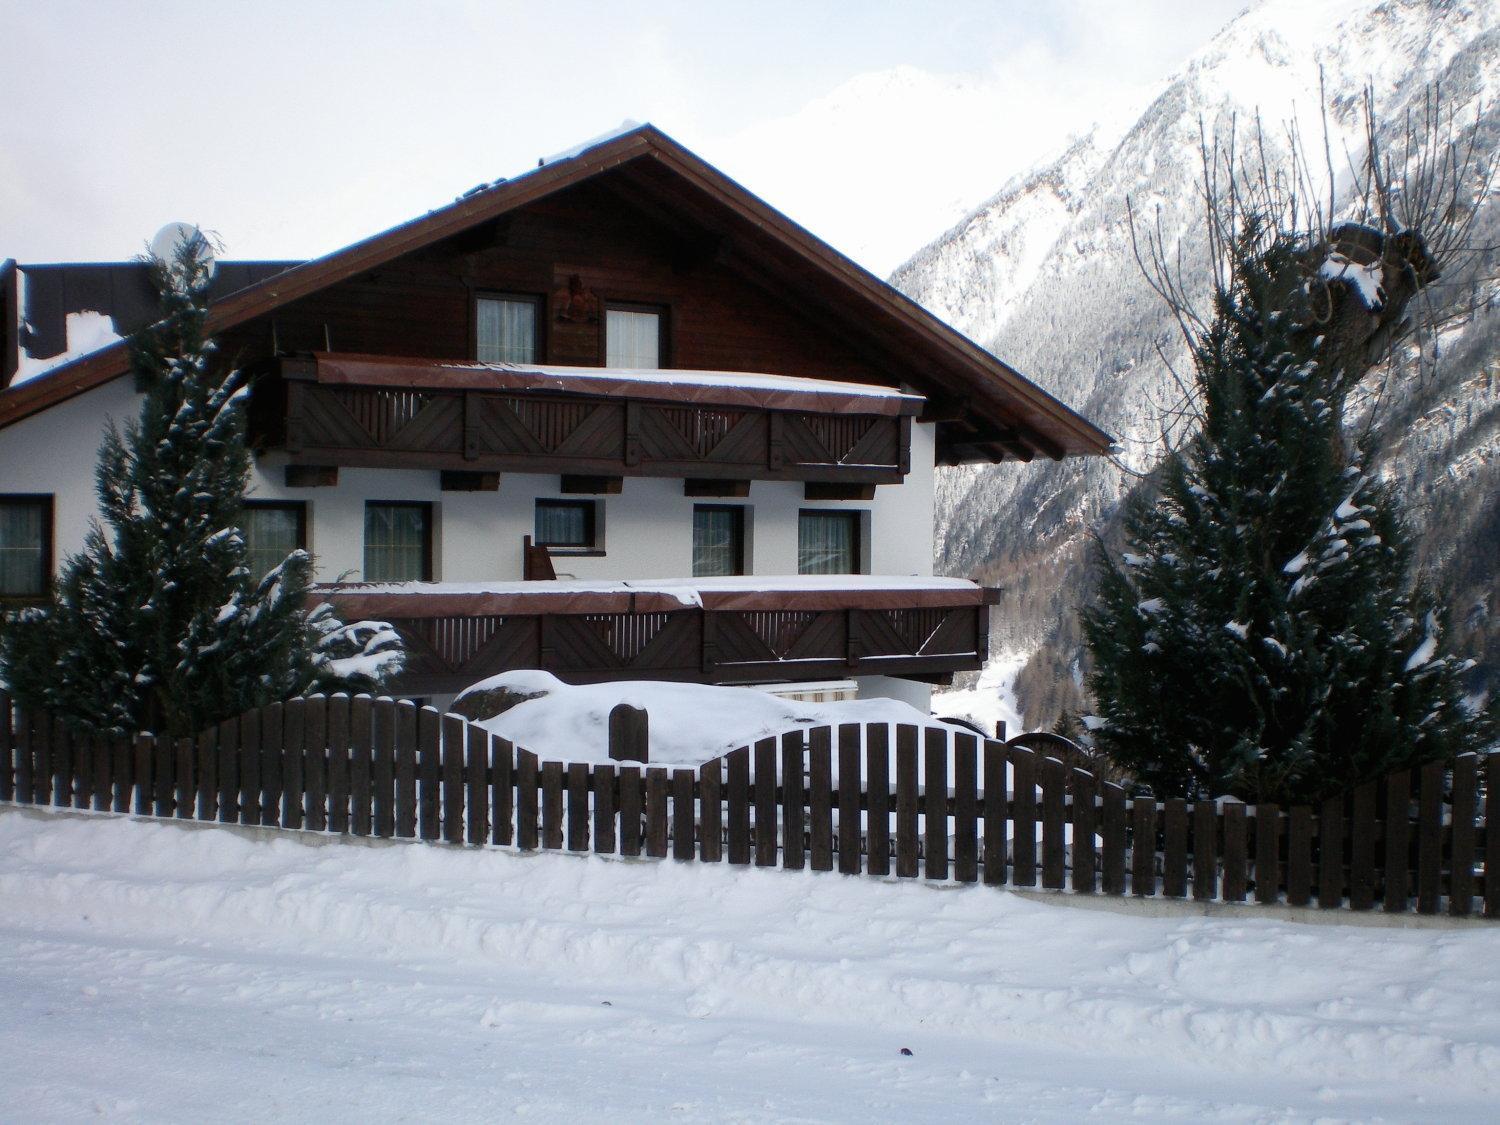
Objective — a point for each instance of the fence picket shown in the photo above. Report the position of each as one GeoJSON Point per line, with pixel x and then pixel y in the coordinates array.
{"type": "Point", "coordinates": [1143, 846]}
{"type": "Point", "coordinates": [315, 763]}
{"type": "Point", "coordinates": [65, 764]}
{"type": "Point", "coordinates": [163, 774]}
{"type": "Point", "coordinates": [384, 720]}
{"type": "Point", "coordinates": [41, 770]}
{"type": "Point", "coordinates": [1054, 779]}
{"type": "Point", "coordinates": [935, 803]}
{"type": "Point", "coordinates": [24, 758]}
{"type": "Point", "coordinates": [361, 763]}
{"type": "Point", "coordinates": [1430, 840]}
{"type": "Point", "coordinates": [1362, 828]}
{"type": "Point", "coordinates": [578, 807]}
{"type": "Point", "coordinates": [711, 811]}
{"type": "Point", "coordinates": [552, 806]}
{"type": "Point", "coordinates": [403, 743]}
{"type": "Point", "coordinates": [338, 763]}
{"type": "Point", "coordinates": [1267, 852]}
{"type": "Point", "coordinates": [793, 801]}
{"type": "Point", "coordinates": [293, 752]}
{"type": "Point", "coordinates": [1331, 854]}
{"type": "Point", "coordinates": [1084, 818]}
{"type": "Point", "coordinates": [878, 799]}
{"type": "Point", "coordinates": [187, 791]}
{"type": "Point", "coordinates": [906, 802]}
{"type": "Point", "coordinates": [684, 842]}
{"type": "Point", "coordinates": [1299, 865]}
{"type": "Point", "coordinates": [765, 803]}
{"type": "Point", "coordinates": [430, 773]}
{"type": "Point", "coordinates": [1461, 861]}
{"type": "Point", "coordinates": [656, 812]}
{"type": "Point", "coordinates": [996, 813]}
{"type": "Point", "coordinates": [453, 779]}
{"type": "Point", "coordinates": [1205, 850]}
{"type": "Point", "coordinates": [271, 732]}
{"type": "Point", "coordinates": [142, 753]}
{"type": "Point", "coordinates": [965, 808]}
{"type": "Point", "coordinates": [848, 800]}
{"type": "Point", "coordinates": [1492, 836]}
{"type": "Point", "coordinates": [104, 786]}
{"type": "Point", "coordinates": [604, 808]}
{"type": "Point", "coordinates": [1174, 847]}
{"type": "Point", "coordinates": [1023, 817]}
{"type": "Point", "coordinates": [527, 836]}
{"type": "Point", "coordinates": [7, 749]}
{"type": "Point", "coordinates": [1236, 852]}
{"type": "Point", "coordinates": [1112, 837]}
{"type": "Point", "coordinates": [502, 790]}
{"type": "Point", "coordinates": [739, 805]}
{"type": "Point", "coordinates": [1397, 842]}
{"type": "Point", "coordinates": [820, 798]}
{"type": "Point", "coordinates": [477, 752]}
{"type": "Point", "coordinates": [120, 774]}
{"type": "Point", "coordinates": [630, 810]}
{"type": "Point", "coordinates": [206, 760]}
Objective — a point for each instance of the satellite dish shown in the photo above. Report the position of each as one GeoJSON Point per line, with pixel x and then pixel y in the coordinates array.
{"type": "Point", "coordinates": [170, 240]}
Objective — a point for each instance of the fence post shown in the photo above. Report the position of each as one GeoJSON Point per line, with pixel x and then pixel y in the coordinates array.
{"type": "Point", "coordinates": [629, 733]}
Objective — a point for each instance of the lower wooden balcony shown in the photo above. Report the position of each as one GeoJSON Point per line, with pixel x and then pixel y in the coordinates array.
{"type": "Point", "coordinates": [704, 630]}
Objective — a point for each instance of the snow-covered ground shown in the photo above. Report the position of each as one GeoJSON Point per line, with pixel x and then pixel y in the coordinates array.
{"type": "Point", "coordinates": [163, 972]}
{"type": "Point", "coordinates": [992, 697]}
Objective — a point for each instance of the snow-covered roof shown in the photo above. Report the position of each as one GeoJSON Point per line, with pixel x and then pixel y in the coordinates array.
{"type": "Point", "coordinates": [729, 388]}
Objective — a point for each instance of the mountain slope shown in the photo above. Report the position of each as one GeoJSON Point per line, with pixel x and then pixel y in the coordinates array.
{"type": "Point", "coordinates": [1045, 275]}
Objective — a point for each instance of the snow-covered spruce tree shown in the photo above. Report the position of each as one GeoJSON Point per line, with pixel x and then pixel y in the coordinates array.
{"type": "Point", "coordinates": [1261, 634]}
{"type": "Point", "coordinates": [157, 624]}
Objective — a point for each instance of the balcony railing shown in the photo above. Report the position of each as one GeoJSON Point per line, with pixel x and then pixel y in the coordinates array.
{"type": "Point", "coordinates": [704, 630]}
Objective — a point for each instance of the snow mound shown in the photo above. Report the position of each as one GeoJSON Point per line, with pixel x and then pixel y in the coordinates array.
{"type": "Point", "coordinates": [689, 723]}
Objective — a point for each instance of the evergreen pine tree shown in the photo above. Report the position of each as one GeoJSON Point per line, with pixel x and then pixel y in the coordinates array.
{"type": "Point", "coordinates": [1261, 636]}
{"type": "Point", "coordinates": [157, 624]}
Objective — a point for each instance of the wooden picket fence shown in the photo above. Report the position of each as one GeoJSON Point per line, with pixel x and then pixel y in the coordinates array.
{"type": "Point", "coordinates": [386, 768]}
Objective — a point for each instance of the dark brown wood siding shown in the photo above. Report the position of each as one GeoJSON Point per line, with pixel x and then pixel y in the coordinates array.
{"type": "Point", "coordinates": [421, 305]}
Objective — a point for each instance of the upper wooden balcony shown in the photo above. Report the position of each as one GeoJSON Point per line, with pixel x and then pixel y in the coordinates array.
{"type": "Point", "coordinates": [393, 412]}
{"type": "Point", "coordinates": [707, 630]}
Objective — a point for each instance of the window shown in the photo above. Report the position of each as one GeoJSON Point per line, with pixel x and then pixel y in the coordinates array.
{"type": "Point", "coordinates": [566, 525]}
{"type": "Point", "coordinates": [25, 546]}
{"type": "Point", "coordinates": [507, 329]}
{"type": "Point", "coordinates": [632, 338]}
{"type": "Point", "coordinates": [828, 542]}
{"type": "Point", "coordinates": [273, 530]}
{"type": "Point", "coordinates": [718, 540]}
{"type": "Point", "coordinates": [398, 542]}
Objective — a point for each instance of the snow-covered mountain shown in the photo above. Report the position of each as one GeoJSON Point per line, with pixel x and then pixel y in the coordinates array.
{"type": "Point", "coordinates": [1044, 274]}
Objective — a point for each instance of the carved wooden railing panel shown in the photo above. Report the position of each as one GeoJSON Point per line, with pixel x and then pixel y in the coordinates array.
{"type": "Point", "coordinates": [480, 430]}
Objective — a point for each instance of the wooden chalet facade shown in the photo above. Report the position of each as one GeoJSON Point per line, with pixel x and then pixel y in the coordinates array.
{"type": "Point", "coordinates": [621, 369]}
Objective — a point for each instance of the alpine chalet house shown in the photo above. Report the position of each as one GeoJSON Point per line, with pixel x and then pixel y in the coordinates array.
{"type": "Point", "coordinates": [615, 418]}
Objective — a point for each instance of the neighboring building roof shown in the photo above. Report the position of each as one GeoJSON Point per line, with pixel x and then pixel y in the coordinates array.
{"type": "Point", "coordinates": [985, 405]}
{"type": "Point", "coordinates": [718, 388]}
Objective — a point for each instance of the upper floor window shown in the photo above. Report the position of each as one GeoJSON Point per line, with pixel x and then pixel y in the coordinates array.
{"type": "Point", "coordinates": [507, 329]}
{"type": "Point", "coordinates": [273, 529]}
{"type": "Point", "coordinates": [718, 540]}
{"type": "Point", "coordinates": [633, 337]}
{"type": "Point", "coordinates": [398, 541]}
{"type": "Point", "coordinates": [25, 546]}
{"type": "Point", "coordinates": [828, 542]}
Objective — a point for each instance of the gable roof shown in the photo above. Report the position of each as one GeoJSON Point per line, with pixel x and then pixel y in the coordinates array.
{"type": "Point", "coordinates": [985, 408]}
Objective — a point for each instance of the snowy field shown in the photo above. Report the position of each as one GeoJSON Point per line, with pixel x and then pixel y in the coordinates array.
{"type": "Point", "coordinates": [164, 972]}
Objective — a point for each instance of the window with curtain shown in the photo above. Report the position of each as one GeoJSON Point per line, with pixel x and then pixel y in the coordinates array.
{"type": "Point", "coordinates": [507, 329]}
{"type": "Point", "coordinates": [632, 338]}
{"type": "Point", "coordinates": [718, 540]}
{"type": "Point", "coordinates": [273, 530]}
{"type": "Point", "coordinates": [25, 546]}
{"type": "Point", "coordinates": [398, 542]}
{"type": "Point", "coordinates": [828, 542]}
{"type": "Point", "coordinates": [565, 524]}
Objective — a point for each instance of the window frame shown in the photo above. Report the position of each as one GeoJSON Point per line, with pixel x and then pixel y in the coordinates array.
{"type": "Point", "coordinates": [47, 502]}
{"type": "Point", "coordinates": [857, 517]}
{"type": "Point", "coordinates": [592, 546]}
{"type": "Point", "coordinates": [428, 520]}
{"type": "Point", "coordinates": [297, 507]}
{"type": "Point", "coordinates": [738, 510]}
{"type": "Point", "coordinates": [538, 322]}
{"type": "Point", "coordinates": [663, 313]}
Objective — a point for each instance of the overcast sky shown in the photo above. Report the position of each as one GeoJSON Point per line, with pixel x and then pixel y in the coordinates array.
{"type": "Point", "coordinates": [293, 128]}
